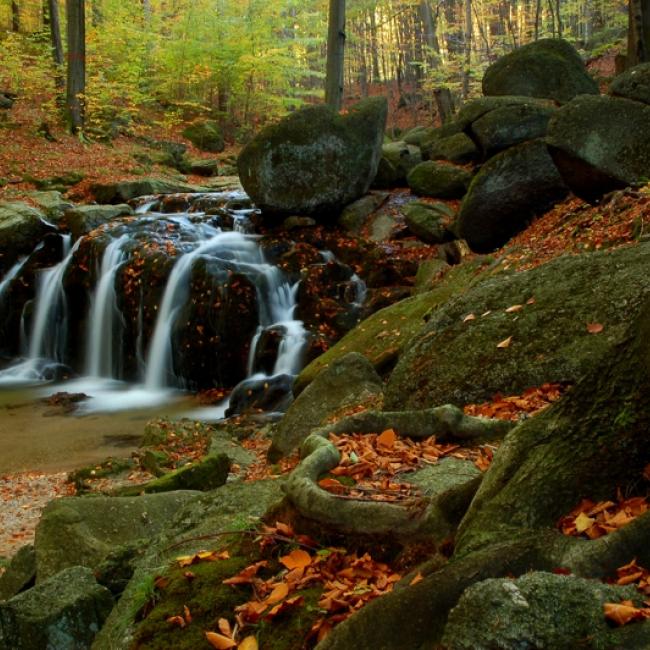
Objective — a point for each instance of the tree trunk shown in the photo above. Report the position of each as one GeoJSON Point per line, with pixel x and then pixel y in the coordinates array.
{"type": "Point", "coordinates": [55, 36]}
{"type": "Point", "coordinates": [15, 16]}
{"type": "Point", "coordinates": [76, 86]}
{"type": "Point", "coordinates": [638, 40]}
{"type": "Point", "coordinates": [444, 103]}
{"type": "Point", "coordinates": [335, 54]}
{"type": "Point", "coordinates": [468, 48]}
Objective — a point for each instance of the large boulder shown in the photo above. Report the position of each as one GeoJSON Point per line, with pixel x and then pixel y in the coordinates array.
{"type": "Point", "coordinates": [548, 68]}
{"type": "Point", "coordinates": [428, 221]}
{"type": "Point", "coordinates": [458, 148]}
{"type": "Point", "coordinates": [507, 193]}
{"type": "Point", "coordinates": [51, 203]}
{"type": "Point", "coordinates": [510, 125]}
{"type": "Point", "coordinates": [601, 143]}
{"type": "Point", "coordinates": [21, 228]}
{"type": "Point", "coordinates": [457, 360]}
{"type": "Point", "coordinates": [20, 574]}
{"type": "Point", "coordinates": [206, 135]}
{"type": "Point", "coordinates": [439, 180]}
{"type": "Point", "coordinates": [633, 84]}
{"type": "Point", "coordinates": [78, 531]}
{"type": "Point", "coordinates": [63, 613]}
{"type": "Point", "coordinates": [85, 218]}
{"type": "Point", "coordinates": [314, 161]}
{"type": "Point", "coordinates": [537, 610]}
{"type": "Point", "coordinates": [349, 381]}
{"type": "Point", "coordinates": [355, 214]}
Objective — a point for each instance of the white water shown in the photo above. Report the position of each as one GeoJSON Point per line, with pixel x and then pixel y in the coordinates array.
{"type": "Point", "coordinates": [102, 354]}
{"type": "Point", "coordinates": [9, 276]}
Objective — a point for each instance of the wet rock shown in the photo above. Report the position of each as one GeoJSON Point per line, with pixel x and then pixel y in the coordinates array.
{"type": "Point", "coordinates": [633, 84]}
{"type": "Point", "coordinates": [21, 228]}
{"type": "Point", "coordinates": [266, 350]}
{"type": "Point", "coordinates": [314, 162]}
{"type": "Point", "coordinates": [296, 222]}
{"type": "Point", "coordinates": [125, 191]}
{"type": "Point", "coordinates": [537, 610]}
{"type": "Point", "coordinates": [354, 215]}
{"type": "Point", "coordinates": [52, 203]}
{"type": "Point", "coordinates": [205, 135]}
{"type": "Point", "coordinates": [261, 394]}
{"type": "Point", "coordinates": [439, 180]}
{"type": "Point", "coordinates": [94, 527]}
{"type": "Point", "coordinates": [452, 361]}
{"type": "Point", "coordinates": [85, 218]}
{"type": "Point", "coordinates": [349, 381]}
{"type": "Point", "coordinates": [600, 144]}
{"type": "Point", "coordinates": [507, 193]}
{"type": "Point", "coordinates": [64, 612]}
{"type": "Point", "coordinates": [548, 68]}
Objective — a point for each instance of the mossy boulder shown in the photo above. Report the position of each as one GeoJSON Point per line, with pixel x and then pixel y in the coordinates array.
{"type": "Point", "coordinates": [458, 148]}
{"type": "Point", "coordinates": [475, 109]}
{"type": "Point", "coordinates": [124, 191]}
{"type": "Point", "coordinates": [354, 215]}
{"type": "Point", "coordinates": [85, 218]}
{"type": "Point", "coordinates": [348, 382]}
{"type": "Point", "coordinates": [60, 182]}
{"type": "Point", "coordinates": [21, 228]}
{"type": "Point", "coordinates": [207, 474]}
{"type": "Point", "coordinates": [439, 180]}
{"type": "Point", "coordinates": [453, 360]}
{"type": "Point", "coordinates": [398, 158]}
{"type": "Point", "coordinates": [510, 125]}
{"type": "Point", "coordinates": [64, 612]}
{"type": "Point", "coordinates": [52, 204]}
{"type": "Point", "coordinates": [204, 167]}
{"type": "Point", "coordinates": [633, 84]}
{"type": "Point", "coordinates": [537, 610]}
{"type": "Point", "coordinates": [20, 573]}
{"type": "Point", "coordinates": [83, 531]}
{"type": "Point", "coordinates": [549, 68]}
{"type": "Point", "coordinates": [418, 134]}
{"type": "Point", "coordinates": [601, 143]}
{"type": "Point", "coordinates": [205, 135]}
{"type": "Point", "coordinates": [428, 221]}
{"type": "Point", "coordinates": [234, 507]}
{"type": "Point", "coordinates": [382, 336]}
{"type": "Point", "coordinates": [507, 193]}
{"type": "Point", "coordinates": [315, 161]}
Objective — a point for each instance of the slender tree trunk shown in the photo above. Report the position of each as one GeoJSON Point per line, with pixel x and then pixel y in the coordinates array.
{"type": "Point", "coordinates": [468, 47]}
{"type": "Point", "coordinates": [55, 37]}
{"type": "Point", "coordinates": [15, 16]}
{"type": "Point", "coordinates": [638, 40]}
{"type": "Point", "coordinates": [335, 54]}
{"type": "Point", "coordinates": [538, 11]}
{"type": "Point", "coordinates": [76, 86]}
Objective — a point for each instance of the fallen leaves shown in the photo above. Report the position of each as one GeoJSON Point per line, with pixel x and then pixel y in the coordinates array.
{"type": "Point", "coordinates": [515, 407]}
{"type": "Point", "coordinates": [297, 559]}
{"type": "Point", "coordinates": [595, 328]}
{"type": "Point", "coordinates": [202, 556]}
{"type": "Point", "coordinates": [593, 520]}
{"type": "Point", "coordinates": [505, 343]}
{"type": "Point", "coordinates": [625, 612]}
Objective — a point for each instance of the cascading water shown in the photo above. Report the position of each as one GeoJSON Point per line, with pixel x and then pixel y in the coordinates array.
{"type": "Point", "coordinates": [9, 276]}
{"type": "Point", "coordinates": [102, 354]}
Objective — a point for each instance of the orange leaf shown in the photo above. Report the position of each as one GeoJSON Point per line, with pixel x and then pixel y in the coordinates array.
{"type": "Point", "coordinates": [219, 641]}
{"type": "Point", "coordinates": [279, 592]}
{"type": "Point", "coordinates": [249, 643]}
{"type": "Point", "coordinates": [595, 328]}
{"type": "Point", "coordinates": [177, 620]}
{"type": "Point", "coordinates": [416, 578]}
{"type": "Point", "coordinates": [622, 613]}
{"type": "Point", "coordinates": [224, 627]}
{"type": "Point", "coordinates": [514, 308]}
{"type": "Point", "coordinates": [296, 559]}
{"type": "Point", "coordinates": [387, 439]}
{"type": "Point", "coordinates": [187, 615]}
{"type": "Point", "coordinates": [505, 343]}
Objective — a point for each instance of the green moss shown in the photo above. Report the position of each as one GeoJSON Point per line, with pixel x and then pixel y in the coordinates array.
{"type": "Point", "coordinates": [208, 600]}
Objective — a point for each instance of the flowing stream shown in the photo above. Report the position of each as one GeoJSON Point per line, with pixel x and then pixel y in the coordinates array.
{"type": "Point", "coordinates": [226, 251]}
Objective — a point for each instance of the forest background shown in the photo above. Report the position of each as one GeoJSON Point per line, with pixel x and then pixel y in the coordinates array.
{"type": "Point", "coordinates": [161, 63]}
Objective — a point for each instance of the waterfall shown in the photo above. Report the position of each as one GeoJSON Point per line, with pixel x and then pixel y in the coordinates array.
{"type": "Point", "coordinates": [9, 276]}
{"type": "Point", "coordinates": [102, 353]}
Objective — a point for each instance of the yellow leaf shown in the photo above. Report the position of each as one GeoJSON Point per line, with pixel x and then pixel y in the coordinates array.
{"type": "Point", "coordinates": [281, 591]}
{"type": "Point", "coordinates": [514, 309]}
{"type": "Point", "coordinates": [505, 343]}
{"type": "Point", "coordinates": [583, 522]}
{"type": "Point", "coordinates": [219, 641]}
{"type": "Point", "coordinates": [622, 613]}
{"type": "Point", "coordinates": [469, 317]}
{"type": "Point", "coordinates": [296, 559]}
{"type": "Point", "coordinates": [249, 643]}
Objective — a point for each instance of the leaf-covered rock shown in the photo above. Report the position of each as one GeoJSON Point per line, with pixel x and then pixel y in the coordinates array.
{"type": "Point", "coordinates": [314, 161]}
